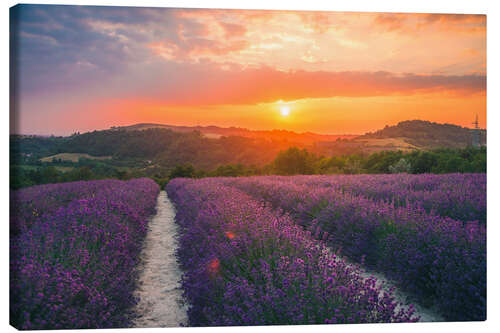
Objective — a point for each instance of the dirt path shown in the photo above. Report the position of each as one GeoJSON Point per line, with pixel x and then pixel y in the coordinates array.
{"type": "Point", "coordinates": [161, 303]}
{"type": "Point", "coordinates": [425, 314]}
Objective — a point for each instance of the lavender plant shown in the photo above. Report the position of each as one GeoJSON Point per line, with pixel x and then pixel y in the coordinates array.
{"type": "Point", "coordinates": [245, 264]}
{"type": "Point", "coordinates": [438, 259]}
{"type": "Point", "coordinates": [73, 250]}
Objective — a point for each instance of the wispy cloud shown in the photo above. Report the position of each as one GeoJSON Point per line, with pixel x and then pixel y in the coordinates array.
{"type": "Point", "coordinates": [218, 57]}
{"type": "Point", "coordinates": [214, 86]}
{"type": "Point", "coordinates": [404, 22]}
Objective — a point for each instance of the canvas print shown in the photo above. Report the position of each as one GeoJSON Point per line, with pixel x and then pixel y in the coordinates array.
{"type": "Point", "coordinates": [220, 167]}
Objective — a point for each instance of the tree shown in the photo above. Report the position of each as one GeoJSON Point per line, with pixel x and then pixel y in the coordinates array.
{"type": "Point", "coordinates": [294, 161]}
{"type": "Point", "coordinates": [402, 166]}
{"type": "Point", "coordinates": [353, 165]}
{"type": "Point", "coordinates": [121, 174]}
{"type": "Point", "coordinates": [49, 175]}
{"type": "Point", "coordinates": [182, 171]}
{"type": "Point", "coordinates": [82, 173]}
{"type": "Point", "coordinates": [231, 170]}
{"type": "Point", "coordinates": [423, 161]}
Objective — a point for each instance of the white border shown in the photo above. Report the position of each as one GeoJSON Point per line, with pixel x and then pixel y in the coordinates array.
{"type": "Point", "coordinates": [426, 6]}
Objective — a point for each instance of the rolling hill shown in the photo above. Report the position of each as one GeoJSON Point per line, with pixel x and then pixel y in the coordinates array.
{"type": "Point", "coordinates": [424, 135]}
{"type": "Point", "coordinates": [215, 132]}
{"type": "Point", "coordinates": [210, 146]}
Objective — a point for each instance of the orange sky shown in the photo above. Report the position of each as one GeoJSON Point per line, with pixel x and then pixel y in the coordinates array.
{"type": "Point", "coordinates": [336, 72]}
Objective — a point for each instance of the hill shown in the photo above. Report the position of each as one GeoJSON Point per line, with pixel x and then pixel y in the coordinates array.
{"type": "Point", "coordinates": [215, 132]}
{"type": "Point", "coordinates": [425, 135]}
{"type": "Point", "coordinates": [165, 146]}
{"type": "Point", "coordinates": [150, 150]}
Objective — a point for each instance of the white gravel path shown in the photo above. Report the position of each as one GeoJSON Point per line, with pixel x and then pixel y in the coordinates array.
{"type": "Point", "coordinates": [160, 295]}
{"type": "Point", "coordinates": [425, 314]}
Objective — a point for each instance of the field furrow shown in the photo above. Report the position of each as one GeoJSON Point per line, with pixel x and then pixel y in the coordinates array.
{"type": "Point", "coordinates": [244, 264]}
{"type": "Point", "coordinates": [427, 255]}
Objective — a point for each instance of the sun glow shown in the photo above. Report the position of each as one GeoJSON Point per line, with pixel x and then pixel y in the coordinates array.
{"type": "Point", "coordinates": [285, 110]}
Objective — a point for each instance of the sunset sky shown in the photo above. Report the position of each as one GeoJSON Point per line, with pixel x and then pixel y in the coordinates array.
{"type": "Point", "coordinates": [85, 68]}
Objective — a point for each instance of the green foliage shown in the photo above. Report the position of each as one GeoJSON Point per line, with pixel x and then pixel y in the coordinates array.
{"type": "Point", "coordinates": [402, 166]}
{"type": "Point", "coordinates": [169, 149]}
{"type": "Point", "coordinates": [182, 171]}
{"type": "Point", "coordinates": [162, 154]}
{"type": "Point", "coordinates": [162, 182]}
{"type": "Point", "coordinates": [287, 162]}
{"type": "Point", "coordinates": [380, 162]}
{"type": "Point", "coordinates": [233, 170]}
{"type": "Point", "coordinates": [423, 161]}
{"type": "Point", "coordinates": [354, 164]}
{"type": "Point", "coordinates": [22, 177]}
{"type": "Point", "coordinates": [295, 161]}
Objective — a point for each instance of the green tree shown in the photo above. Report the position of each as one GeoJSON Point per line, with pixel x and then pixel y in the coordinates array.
{"type": "Point", "coordinates": [354, 164]}
{"type": "Point", "coordinates": [49, 175]}
{"type": "Point", "coordinates": [402, 166]}
{"type": "Point", "coordinates": [294, 161]}
{"type": "Point", "coordinates": [423, 161]}
{"type": "Point", "coordinates": [182, 171]}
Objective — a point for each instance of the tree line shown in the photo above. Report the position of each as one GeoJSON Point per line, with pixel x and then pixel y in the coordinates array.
{"type": "Point", "coordinates": [295, 161]}
{"type": "Point", "coordinates": [291, 161]}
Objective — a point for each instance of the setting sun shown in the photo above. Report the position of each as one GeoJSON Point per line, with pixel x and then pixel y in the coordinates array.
{"type": "Point", "coordinates": [300, 61]}
{"type": "Point", "coordinates": [285, 110]}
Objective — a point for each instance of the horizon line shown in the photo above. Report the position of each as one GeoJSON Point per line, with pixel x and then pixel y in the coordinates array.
{"type": "Point", "coordinates": [232, 127]}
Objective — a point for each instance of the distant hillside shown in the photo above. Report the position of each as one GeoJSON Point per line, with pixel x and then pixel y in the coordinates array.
{"type": "Point", "coordinates": [420, 134]}
{"type": "Point", "coordinates": [215, 132]}
{"type": "Point", "coordinates": [407, 136]}
{"type": "Point", "coordinates": [154, 146]}
{"type": "Point", "coordinates": [165, 146]}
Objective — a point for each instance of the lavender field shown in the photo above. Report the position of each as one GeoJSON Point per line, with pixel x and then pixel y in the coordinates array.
{"type": "Point", "coordinates": [73, 251]}
{"type": "Point", "coordinates": [255, 250]}
{"type": "Point", "coordinates": [261, 235]}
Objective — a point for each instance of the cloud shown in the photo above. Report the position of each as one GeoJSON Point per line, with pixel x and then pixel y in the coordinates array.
{"type": "Point", "coordinates": [196, 48]}
{"type": "Point", "coordinates": [65, 47]}
{"type": "Point", "coordinates": [233, 30]}
{"type": "Point", "coordinates": [208, 84]}
{"type": "Point", "coordinates": [390, 21]}
{"type": "Point", "coordinates": [196, 56]}
{"type": "Point", "coordinates": [51, 42]}
{"type": "Point", "coordinates": [454, 18]}
{"type": "Point", "coordinates": [403, 22]}
{"type": "Point", "coordinates": [319, 21]}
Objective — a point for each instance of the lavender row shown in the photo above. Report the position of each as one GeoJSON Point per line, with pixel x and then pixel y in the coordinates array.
{"type": "Point", "coordinates": [441, 260]}
{"type": "Point", "coordinates": [244, 264]}
{"type": "Point", "coordinates": [458, 196]}
{"type": "Point", "coordinates": [30, 204]}
{"type": "Point", "coordinates": [72, 265]}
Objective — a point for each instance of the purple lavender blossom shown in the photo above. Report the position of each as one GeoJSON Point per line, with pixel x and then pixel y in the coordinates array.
{"type": "Point", "coordinates": [399, 226]}
{"type": "Point", "coordinates": [270, 271]}
{"type": "Point", "coordinates": [73, 250]}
